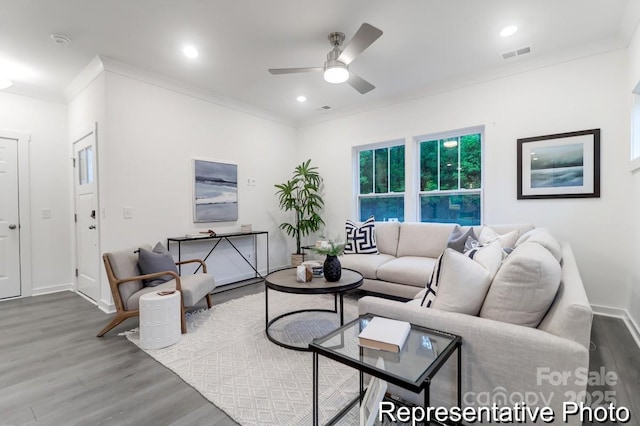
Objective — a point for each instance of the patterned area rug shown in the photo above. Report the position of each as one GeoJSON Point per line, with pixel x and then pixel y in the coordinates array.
{"type": "Point", "coordinates": [226, 356]}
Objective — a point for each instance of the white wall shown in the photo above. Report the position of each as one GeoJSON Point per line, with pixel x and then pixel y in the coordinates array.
{"type": "Point", "coordinates": [50, 164]}
{"type": "Point", "coordinates": [148, 136]}
{"type": "Point", "coordinates": [576, 95]}
{"type": "Point", "coordinates": [634, 176]}
{"type": "Point", "coordinates": [146, 164]}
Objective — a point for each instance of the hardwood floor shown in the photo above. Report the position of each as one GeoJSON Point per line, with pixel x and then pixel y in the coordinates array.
{"type": "Point", "coordinates": [54, 371]}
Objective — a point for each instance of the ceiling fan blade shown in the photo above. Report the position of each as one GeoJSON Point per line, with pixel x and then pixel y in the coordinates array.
{"type": "Point", "coordinates": [294, 70]}
{"type": "Point", "coordinates": [363, 38]}
{"type": "Point", "coordinates": [360, 84]}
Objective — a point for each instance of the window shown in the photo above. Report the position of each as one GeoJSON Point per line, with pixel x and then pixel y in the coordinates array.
{"type": "Point", "coordinates": [381, 173]}
{"type": "Point", "coordinates": [85, 159]}
{"type": "Point", "coordinates": [450, 187]}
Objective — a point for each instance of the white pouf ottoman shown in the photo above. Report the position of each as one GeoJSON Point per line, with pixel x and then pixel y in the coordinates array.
{"type": "Point", "coordinates": [159, 319]}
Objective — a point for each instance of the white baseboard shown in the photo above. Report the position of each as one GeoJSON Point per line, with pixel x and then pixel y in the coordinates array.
{"type": "Point", "coordinates": [107, 307]}
{"type": "Point", "coordinates": [52, 289]}
{"type": "Point", "coordinates": [623, 314]}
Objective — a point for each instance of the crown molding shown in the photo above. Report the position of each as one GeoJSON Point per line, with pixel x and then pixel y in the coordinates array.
{"type": "Point", "coordinates": [517, 66]}
{"type": "Point", "coordinates": [129, 71]}
{"type": "Point", "coordinates": [82, 80]}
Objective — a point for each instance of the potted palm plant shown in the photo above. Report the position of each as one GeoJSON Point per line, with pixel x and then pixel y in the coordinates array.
{"type": "Point", "coordinates": [301, 195]}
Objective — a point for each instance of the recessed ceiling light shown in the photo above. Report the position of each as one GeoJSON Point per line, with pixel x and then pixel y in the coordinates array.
{"type": "Point", "coordinates": [4, 83]}
{"type": "Point", "coordinates": [190, 52]}
{"type": "Point", "coordinates": [301, 98]}
{"type": "Point", "coordinates": [60, 40]}
{"type": "Point", "coordinates": [508, 31]}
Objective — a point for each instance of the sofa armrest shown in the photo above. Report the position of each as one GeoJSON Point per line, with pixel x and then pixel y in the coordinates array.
{"type": "Point", "coordinates": [502, 363]}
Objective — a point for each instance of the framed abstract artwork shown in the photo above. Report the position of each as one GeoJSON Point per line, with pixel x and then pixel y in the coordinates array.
{"type": "Point", "coordinates": [564, 165]}
{"type": "Point", "coordinates": [215, 191]}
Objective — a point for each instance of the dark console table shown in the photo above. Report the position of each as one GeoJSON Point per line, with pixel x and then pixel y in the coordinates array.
{"type": "Point", "coordinates": [228, 237]}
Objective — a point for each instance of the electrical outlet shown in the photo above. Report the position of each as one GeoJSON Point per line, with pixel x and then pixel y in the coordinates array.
{"type": "Point", "coordinates": [46, 213]}
{"type": "Point", "coordinates": [127, 212]}
{"type": "Point", "coordinates": [251, 181]}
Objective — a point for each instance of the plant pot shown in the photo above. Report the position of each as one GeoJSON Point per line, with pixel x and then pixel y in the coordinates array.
{"type": "Point", "coordinates": [332, 269]}
{"type": "Point", "coordinates": [296, 259]}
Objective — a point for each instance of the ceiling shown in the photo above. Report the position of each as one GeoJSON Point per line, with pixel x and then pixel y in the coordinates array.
{"type": "Point", "coordinates": [425, 43]}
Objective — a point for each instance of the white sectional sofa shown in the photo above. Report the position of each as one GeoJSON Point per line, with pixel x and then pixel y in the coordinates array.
{"type": "Point", "coordinates": [407, 254]}
{"type": "Point", "coordinates": [503, 362]}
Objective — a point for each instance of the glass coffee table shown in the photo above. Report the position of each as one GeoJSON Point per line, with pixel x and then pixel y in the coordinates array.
{"type": "Point", "coordinates": [284, 280]}
{"type": "Point", "coordinates": [425, 351]}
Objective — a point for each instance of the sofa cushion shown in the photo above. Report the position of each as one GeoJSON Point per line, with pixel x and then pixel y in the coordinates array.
{"type": "Point", "coordinates": [387, 236]}
{"type": "Point", "coordinates": [158, 260]}
{"type": "Point", "coordinates": [543, 237]}
{"type": "Point", "coordinates": [408, 270]}
{"type": "Point", "coordinates": [366, 264]}
{"type": "Point", "coordinates": [361, 239]}
{"type": "Point", "coordinates": [489, 256]}
{"type": "Point", "coordinates": [461, 283]}
{"type": "Point", "coordinates": [488, 235]}
{"type": "Point", "coordinates": [424, 239]}
{"type": "Point", "coordinates": [524, 287]}
{"type": "Point", "coordinates": [459, 237]}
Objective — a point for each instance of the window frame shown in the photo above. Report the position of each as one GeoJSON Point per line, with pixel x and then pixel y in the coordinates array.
{"type": "Point", "coordinates": [356, 175]}
{"type": "Point", "coordinates": [416, 164]}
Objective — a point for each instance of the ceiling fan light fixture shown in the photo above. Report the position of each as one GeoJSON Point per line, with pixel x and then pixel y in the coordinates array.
{"type": "Point", "coordinates": [336, 73]}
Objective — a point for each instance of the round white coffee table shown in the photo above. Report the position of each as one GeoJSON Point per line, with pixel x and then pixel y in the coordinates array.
{"type": "Point", "coordinates": [159, 319]}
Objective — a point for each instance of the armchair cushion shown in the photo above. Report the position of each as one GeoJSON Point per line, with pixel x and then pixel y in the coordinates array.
{"type": "Point", "coordinates": [194, 288]}
{"type": "Point", "coordinates": [158, 260]}
{"type": "Point", "coordinates": [124, 264]}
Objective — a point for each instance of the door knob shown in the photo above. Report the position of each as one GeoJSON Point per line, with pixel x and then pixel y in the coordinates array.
{"type": "Point", "coordinates": [12, 226]}
{"type": "Point", "coordinates": [92, 227]}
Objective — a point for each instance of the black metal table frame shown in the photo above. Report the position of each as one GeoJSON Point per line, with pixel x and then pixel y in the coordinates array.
{"type": "Point", "coordinates": [339, 294]}
{"type": "Point", "coordinates": [423, 384]}
{"type": "Point", "coordinates": [226, 237]}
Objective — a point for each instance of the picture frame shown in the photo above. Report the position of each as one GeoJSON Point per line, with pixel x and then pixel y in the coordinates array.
{"type": "Point", "coordinates": [215, 191]}
{"type": "Point", "coordinates": [563, 165]}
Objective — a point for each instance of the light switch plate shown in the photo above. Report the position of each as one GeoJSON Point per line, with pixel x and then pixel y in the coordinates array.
{"type": "Point", "coordinates": [127, 212]}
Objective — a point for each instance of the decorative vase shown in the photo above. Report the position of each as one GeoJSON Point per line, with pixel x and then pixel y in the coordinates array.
{"type": "Point", "coordinates": [332, 268]}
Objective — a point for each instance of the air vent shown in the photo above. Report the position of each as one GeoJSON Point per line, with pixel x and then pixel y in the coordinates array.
{"type": "Point", "coordinates": [517, 52]}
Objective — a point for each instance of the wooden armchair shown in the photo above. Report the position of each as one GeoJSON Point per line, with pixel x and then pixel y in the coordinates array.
{"type": "Point", "coordinates": [127, 286]}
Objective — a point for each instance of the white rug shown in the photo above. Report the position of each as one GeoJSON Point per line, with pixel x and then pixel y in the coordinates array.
{"type": "Point", "coordinates": [226, 356]}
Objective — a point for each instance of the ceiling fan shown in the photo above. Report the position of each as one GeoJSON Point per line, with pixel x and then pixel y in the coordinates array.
{"type": "Point", "coordinates": [336, 67]}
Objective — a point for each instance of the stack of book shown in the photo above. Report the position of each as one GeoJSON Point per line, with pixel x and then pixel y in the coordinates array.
{"type": "Point", "coordinates": [384, 334]}
{"type": "Point", "coordinates": [245, 228]}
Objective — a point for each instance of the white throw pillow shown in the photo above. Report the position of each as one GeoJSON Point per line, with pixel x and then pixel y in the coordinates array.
{"type": "Point", "coordinates": [543, 237]}
{"type": "Point", "coordinates": [461, 283]}
{"type": "Point", "coordinates": [488, 235]}
{"type": "Point", "coordinates": [524, 287]}
{"type": "Point", "coordinates": [489, 256]}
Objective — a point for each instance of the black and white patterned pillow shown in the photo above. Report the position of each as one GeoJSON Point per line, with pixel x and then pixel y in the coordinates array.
{"type": "Point", "coordinates": [432, 288]}
{"type": "Point", "coordinates": [361, 239]}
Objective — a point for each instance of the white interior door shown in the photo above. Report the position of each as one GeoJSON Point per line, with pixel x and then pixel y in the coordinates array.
{"type": "Point", "coordinates": [9, 225]}
{"type": "Point", "coordinates": [87, 217]}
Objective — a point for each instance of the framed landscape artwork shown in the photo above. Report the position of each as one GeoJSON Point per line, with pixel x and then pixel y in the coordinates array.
{"type": "Point", "coordinates": [215, 191]}
{"type": "Point", "coordinates": [564, 165]}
